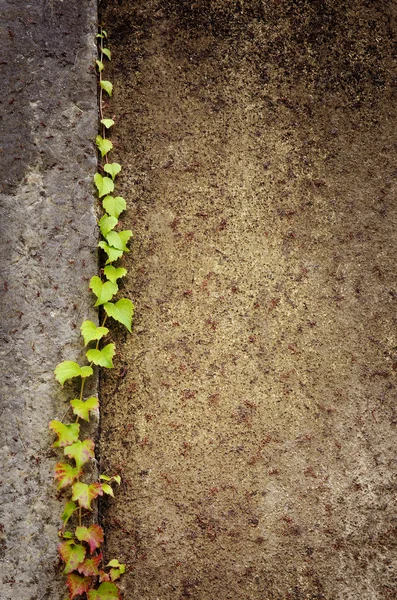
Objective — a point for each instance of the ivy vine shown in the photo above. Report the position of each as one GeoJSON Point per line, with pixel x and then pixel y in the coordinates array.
{"type": "Point", "coordinates": [80, 548]}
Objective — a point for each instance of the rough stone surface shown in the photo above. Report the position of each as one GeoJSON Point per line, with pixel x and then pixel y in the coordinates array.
{"type": "Point", "coordinates": [252, 412]}
{"type": "Point", "coordinates": [47, 254]}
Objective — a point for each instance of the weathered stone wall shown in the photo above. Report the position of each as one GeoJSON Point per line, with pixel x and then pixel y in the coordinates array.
{"type": "Point", "coordinates": [47, 254]}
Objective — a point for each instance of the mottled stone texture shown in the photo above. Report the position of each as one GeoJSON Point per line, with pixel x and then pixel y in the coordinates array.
{"type": "Point", "coordinates": [252, 412]}
{"type": "Point", "coordinates": [47, 254]}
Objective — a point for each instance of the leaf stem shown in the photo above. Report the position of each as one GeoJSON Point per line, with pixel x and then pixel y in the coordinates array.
{"type": "Point", "coordinates": [81, 394]}
{"type": "Point", "coordinates": [103, 325]}
{"type": "Point", "coordinates": [100, 87]}
{"type": "Point", "coordinates": [82, 387]}
{"type": "Point", "coordinates": [103, 128]}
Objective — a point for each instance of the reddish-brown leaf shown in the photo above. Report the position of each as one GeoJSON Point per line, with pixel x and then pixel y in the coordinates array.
{"type": "Point", "coordinates": [92, 535]}
{"type": "Point", "coordinates": [89, 566]}
{"type": "Point", "coordinates": [77, 585]}
{"type": "Point", "coordinates": [83, 493]}
{"type": "Point", "coordinates": [65, 474]}
{"type": "Point", "coordinates": [72, 555]}
{"type": "Point", "coordinates": [103, 576]}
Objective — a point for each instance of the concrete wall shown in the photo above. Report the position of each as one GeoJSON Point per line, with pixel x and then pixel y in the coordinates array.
{"type": "Point", "coordinates": [48, 120]}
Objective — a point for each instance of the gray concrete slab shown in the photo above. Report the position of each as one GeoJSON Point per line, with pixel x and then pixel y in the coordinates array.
{"type": "Point", "coordinates": [48, 120]}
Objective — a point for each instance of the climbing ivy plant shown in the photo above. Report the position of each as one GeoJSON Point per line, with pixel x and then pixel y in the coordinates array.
{"type": "Point", "coordinates": [80, 548]}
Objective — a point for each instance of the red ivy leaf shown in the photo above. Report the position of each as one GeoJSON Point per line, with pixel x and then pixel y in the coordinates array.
{"type": "Point", "coordinates": [72, 555]}
{"type": "Point", "coordinates": [90, 566]}
{"type": "Point", "coordinates": [83, 493]}
{"type": "Point", "coordinates": [92, 535]}
{"type": "Point", "coordinates": [103, 576]}
{"type": "Point", "coordinates": [77, 585]}
{"type": "Point", "coordinates": [65, 474]}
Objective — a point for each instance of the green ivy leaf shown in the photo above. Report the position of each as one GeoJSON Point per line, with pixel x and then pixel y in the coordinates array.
{"type": "Point", "coordinates": [72, 555]}
{"type": "Point", "coordinates": [114, 206]}
{"type": "Point", "coordinates": [114, 563]}
{"type": "Point", "coordinates": [122, 311]}
{"type": "Point", "coordinates": [104, 185]}
{"type": "Point", "coordinates": [68, 511]}
{"type": "Point", "coordinates": [114, 274]}
{"type": "Point", "coordinates": [107, 86]}
{"type": "Point", "coordinates": [82, 408]}
{"type": "Point", "coordinates": [89, 566]}
{"type": "Point", "coordinates": [106, 224]}
{"type": "Point", "coordinates": [107, 489]}
{"type": "Point", "coordinates": [67, 434]}
{"type": "Point", "coordinates": [113, 169]}
{"type": "Point", "coordinates": [114, 240]}
{"type": "Point", "coordinates": [107, 122]}
{"type": "Point", "coordinates": [65, 474]}
{"type": "Point", "coordinates": [84, 493]}
{"type": "Point", "coordinates": [107, 53]}
{"type": "Point", "coordinates": [106, 591]}
{"type": "Point", "coordinates": [92, 535]}
{"type": "Point", "coordinates": [117, 569]}
{"type": "Point", "coordinates": [81, 452]}
{"type": "Point", "coordinates": [78, 585]}
{"type": "Point", "coordinates": [124, 236]}
{"type": "Point", "coordinates": [113, 253]}
{"type": "Point", "coordinates": [115, 478]}
{"type": "Point", "coordinates": [103, 291]}
{"type": "Point", "coordinates": [69, 369]}
{"type": "Point", "coordinates": [67, 535]}
{"type": "Point", "coordinates": [119, 239]}
{"type": "Point", "coordinates": [104, 146]}
{"type": "Point", "coordinates": [91, 332]}
{"type": "Point", "coordinates": [102, 358]}
{"type": "Point", "coordinates": [116, 574]}
{"type": "Point", "coordinates": [100, 65]}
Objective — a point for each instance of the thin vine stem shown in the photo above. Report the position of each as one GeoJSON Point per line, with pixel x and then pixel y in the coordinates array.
{"type": "Point", "coordinates": [103, 325]}
{"type": "Point", "coordinates": [100, 81]}
{"type": "Point", "coordinates": [103, 128]}
{"type": "Point", "coordinates": [82, 387]}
